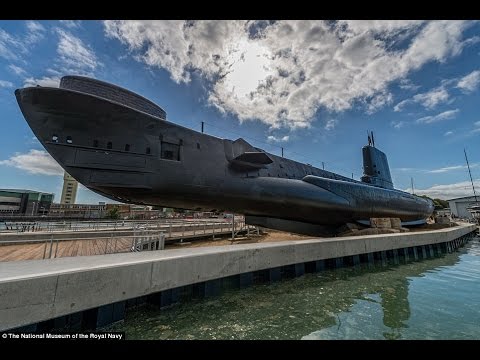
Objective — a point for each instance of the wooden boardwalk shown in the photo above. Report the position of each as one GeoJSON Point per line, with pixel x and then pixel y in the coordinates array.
{"type": "Point", "coordinates": [64, 249]}
{"type": "Point", "coordinates": [86, 247]}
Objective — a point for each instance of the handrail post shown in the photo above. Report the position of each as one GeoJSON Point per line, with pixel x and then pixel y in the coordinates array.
{"type": "Point", "coordinates": [51, 245]}
{"type": "Point", "coordinates": [45, 249]}
{"type": "Point", "coordinates": [56, 248]}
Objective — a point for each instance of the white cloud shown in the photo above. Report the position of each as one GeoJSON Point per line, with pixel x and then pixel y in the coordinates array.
{"type": "Point", "coordinates": [432, 98]}
{"type": "Point", "coordinates": [379, 101]}
{"type": "Point", "coordinates": [330, 125]}
{"type": "Point", "coordinates": [439, 170]}
{"type": "Point", "coordinates": [71, 23]}
{"type": "Point", "coordinates": [448, 133]}
{"type": "Point", "coordinates": [272, 138]}
{"type": "Point", "coordinates": [6, 84]}
{"type": "Point", "coordinates": [398, 124]}
{"type": "Point", "coordinates": [449, 114]}
{"type": "Point", "coordinates": [450, 168]}
{"type": "Point", "coordinates": [401, 105]}
{"type": "Point", "coordinates": [297, 67]}
{"type": "Point", "coordinates": [429, 100]}
{"type": "Point", "coordinates": [17, 69]}
{"type": "Point", "coordinates": [469, 82]}
{"type": "Point", "coordinates": [477, 123]}
{"type": "Point", "coordinates": [35, 33]}
{"type": "Point", "coordinates": [406, 84]}
{"type": "Point", "coordinates": [34, 162]}
{"type": "Point", "coordinates": [74, 54]}
{"type": "Point", "coordinates": [13, 47]}
{"type": "Point", "coordinates": [405, 169]}
{"type": "Point", "coordinates": [10, 46]}
{"type": "Point", "coordinates": [53, 81]}
{"type": "Point", "coordinates": [450, 191]}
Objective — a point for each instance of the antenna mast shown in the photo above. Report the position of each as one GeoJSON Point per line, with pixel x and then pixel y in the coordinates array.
{"type": "Point", "coordinates": [468, 165]}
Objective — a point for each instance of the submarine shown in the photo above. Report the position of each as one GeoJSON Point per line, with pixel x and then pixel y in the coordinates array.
{"type": "Point", "coordinates": [121, 145]}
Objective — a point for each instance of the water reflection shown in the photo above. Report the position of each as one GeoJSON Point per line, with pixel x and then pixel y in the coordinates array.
{"type": "Point", "coordinates": [338, 304]}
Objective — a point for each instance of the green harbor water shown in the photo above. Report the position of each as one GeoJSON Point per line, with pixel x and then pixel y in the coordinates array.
{"type": "Point", "coordinates": [438, 298]}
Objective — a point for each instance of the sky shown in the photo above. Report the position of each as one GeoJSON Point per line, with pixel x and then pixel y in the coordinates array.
{"type": "Point", "coordinates": [313, 88]}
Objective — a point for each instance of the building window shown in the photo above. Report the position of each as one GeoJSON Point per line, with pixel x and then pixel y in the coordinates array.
{"type": "Point", "coordinates": [69, 140]}
{"type": "Point", "coordinates": [95, 143]}
{"type": "Point", "coordinates": [198, 146]}
{"type": "Point", "coordinates": [55, 138]}
{"type": "Point", "coordinates": [109, 145]}
{"type": "Point", "coordinates": [127, 147]}
{"type": "Point", "coordinates": [147, 151]}
{"type": "Point", "coordinates": [170, 151]}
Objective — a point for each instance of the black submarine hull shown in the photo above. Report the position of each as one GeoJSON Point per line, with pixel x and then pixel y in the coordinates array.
{"type": "Point", "coordinates": [131, 154]}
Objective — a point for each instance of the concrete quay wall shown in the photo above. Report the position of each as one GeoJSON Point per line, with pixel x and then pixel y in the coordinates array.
{"type": "Point", "coordinates": [92, 291]}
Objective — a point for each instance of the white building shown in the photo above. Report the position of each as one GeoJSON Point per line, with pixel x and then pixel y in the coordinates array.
{"type": "Point", "coordinates": [459, 206]}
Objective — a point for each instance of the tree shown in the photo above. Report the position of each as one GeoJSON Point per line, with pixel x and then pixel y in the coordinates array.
{"type": "Point", "coordinates": [113, 213]}
{"type": "Point", "coordinates": [439, 203]}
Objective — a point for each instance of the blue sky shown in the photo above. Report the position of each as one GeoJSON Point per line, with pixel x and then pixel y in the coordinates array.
{"type": "Point", "coordinates": [312, 87]}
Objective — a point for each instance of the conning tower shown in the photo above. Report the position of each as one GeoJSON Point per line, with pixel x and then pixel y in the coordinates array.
{"type": "Point", "coordinates": [376, 171]}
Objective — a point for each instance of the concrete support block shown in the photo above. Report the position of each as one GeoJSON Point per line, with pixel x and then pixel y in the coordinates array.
{"type": "Point", "coordinates": [338, 262]}
{"type": "Point", "coordinates": [380, 223]}
{"type": "Point", "coordinates": [299, 269]}
{"type": "Point", "coordinates": [430, 249]}
{"type": "Point", "coordinates": [439, 249]}
{"type": "Point", "coordinates": [246, 280]}
{"type": "Point", "coordinates": [274, 274]}
{"type": "Point", "coordinates": [396, 223]}
{"type": "Point", "coordinates": [406, 257]}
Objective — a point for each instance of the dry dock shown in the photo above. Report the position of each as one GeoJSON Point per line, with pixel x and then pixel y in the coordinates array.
{"type": "Point", "coordinates": [93, 291]}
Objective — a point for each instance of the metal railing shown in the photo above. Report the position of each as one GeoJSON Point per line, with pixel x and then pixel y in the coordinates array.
{"type": "Point", "coordinates": [97, 246]}
{"type": "Point", "coordinates": [53, 226]}
{"type": "Point", "coordinates": [143, 236]}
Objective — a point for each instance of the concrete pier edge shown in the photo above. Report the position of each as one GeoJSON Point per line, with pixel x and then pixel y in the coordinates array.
{"type": "Point", "coordinates": [91, 292]}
